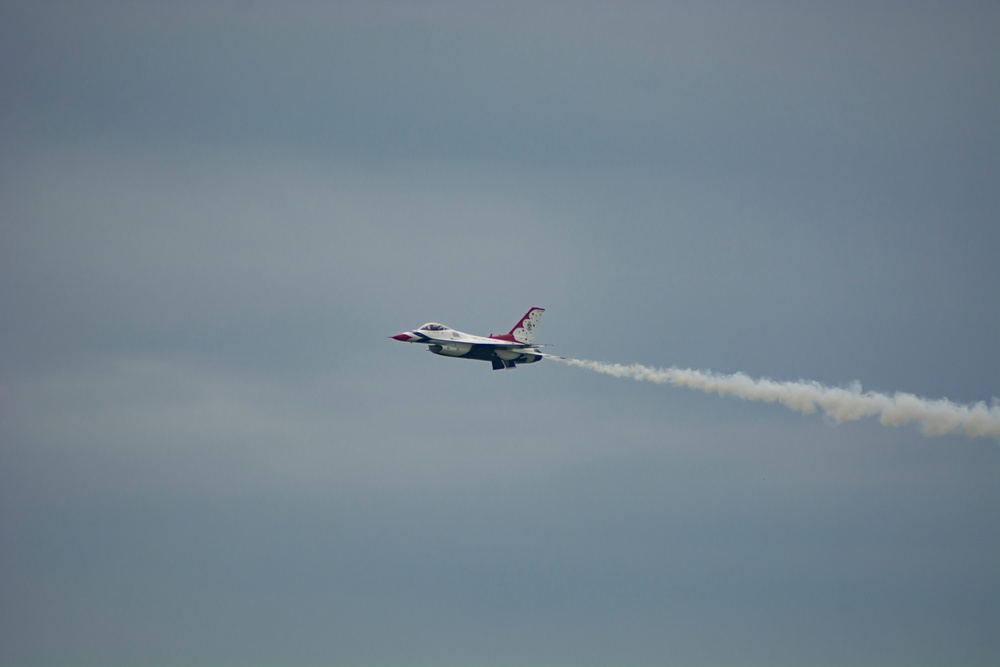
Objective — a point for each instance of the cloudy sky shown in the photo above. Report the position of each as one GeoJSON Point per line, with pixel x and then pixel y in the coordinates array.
{"type": "Point", "coordinates": [213, 215]}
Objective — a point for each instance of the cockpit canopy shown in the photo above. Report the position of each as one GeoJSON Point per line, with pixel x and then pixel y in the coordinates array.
{"type": "Point", "coordinates": [433, 326]}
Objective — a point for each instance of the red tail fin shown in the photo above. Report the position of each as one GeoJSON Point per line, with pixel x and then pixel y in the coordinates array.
{"type": "Point", "coordinates": [524, 331]}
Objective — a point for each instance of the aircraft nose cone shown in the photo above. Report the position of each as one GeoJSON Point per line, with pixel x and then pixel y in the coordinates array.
{"type": "Point", "coordinates": [404, 337]}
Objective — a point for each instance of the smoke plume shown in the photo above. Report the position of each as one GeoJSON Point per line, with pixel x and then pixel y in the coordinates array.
{"type": "Point", "coordinates": [935, 417]}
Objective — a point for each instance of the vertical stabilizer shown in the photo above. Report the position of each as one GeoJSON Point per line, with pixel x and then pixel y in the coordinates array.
{"type": "Point", "coordinates": [524, 331]}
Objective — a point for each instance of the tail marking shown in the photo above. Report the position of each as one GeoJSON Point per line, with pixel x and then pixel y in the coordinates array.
{"type": "Point", "coordinates": [524, 331]}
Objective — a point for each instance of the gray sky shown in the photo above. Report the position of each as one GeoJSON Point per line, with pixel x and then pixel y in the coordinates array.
{"type": "Point", "coordinates": [212, 215]}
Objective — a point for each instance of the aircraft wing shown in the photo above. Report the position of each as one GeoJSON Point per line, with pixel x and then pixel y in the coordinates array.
{"type": "Point", "coordinates": [501, 344]}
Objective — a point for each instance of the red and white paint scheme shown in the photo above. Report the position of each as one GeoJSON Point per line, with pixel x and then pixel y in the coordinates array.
{"type": "Point", "coordinates": [502, 350]}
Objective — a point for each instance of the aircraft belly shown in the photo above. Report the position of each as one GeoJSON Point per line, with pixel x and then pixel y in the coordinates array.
{"type": "Point", "coordinates": [483, 353]}
{"type": "Point", "coordinates": [502, 357]}
{"type": "Point", "coordinates": [451, 349]}
{"type": "Point", "coordinates": [516, 356]}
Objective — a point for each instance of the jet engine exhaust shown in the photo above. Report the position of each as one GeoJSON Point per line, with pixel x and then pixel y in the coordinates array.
{"type": "Point", "coordinates": [935, 417]}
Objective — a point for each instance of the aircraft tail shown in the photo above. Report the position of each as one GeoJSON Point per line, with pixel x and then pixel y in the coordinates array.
{"type": "Point", "coordinates": [524, 331]}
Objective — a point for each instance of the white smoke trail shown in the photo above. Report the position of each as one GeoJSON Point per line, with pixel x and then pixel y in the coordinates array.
{"type": "Point", "coordinates": [935, 417]}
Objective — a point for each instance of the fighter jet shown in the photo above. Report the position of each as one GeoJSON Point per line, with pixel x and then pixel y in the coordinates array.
{"type": "Point", "coordinates": [502, 350]}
